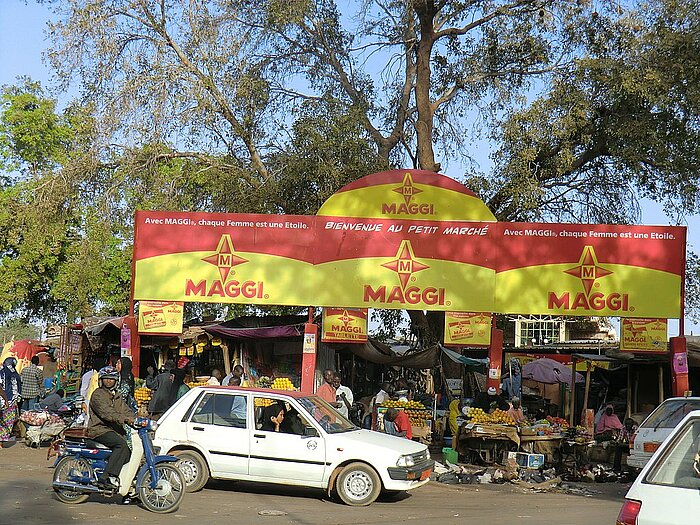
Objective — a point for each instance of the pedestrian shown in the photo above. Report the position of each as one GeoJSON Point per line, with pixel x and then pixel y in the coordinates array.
{"type": "Point", "coordinates": [127, 384]}
{"type": "Point", "coordinates": [87, 376]}
{"type": "Point", "coordinates": [8, 416]}
{"type": "Point", "coordinates": [161, 385]}
{"type": "Point", "coordinates": [343, 396]}
{"type": "Point", "coordinates": [327, 391]}
{"type": "Point", "coordinates": [10, 381]}
{"type": "Point", "coordinates": [49, 369]}
{"type": "Point", "coordinates": [32, 384]}
{"type": "Point", "coordinates": [179, 387]}
{"type": "Point", "coordinates": [216, 377]}
{"type": "Point", "coordinates": [516, 411]}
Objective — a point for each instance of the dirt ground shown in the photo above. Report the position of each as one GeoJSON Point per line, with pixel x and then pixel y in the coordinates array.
{"type": "Point", "coordinates": [26, 497]}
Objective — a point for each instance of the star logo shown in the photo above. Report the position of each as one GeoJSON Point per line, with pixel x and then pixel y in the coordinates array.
{"type": "Point", "coordinates": [408, 190]}
{"type": "Point", "coordinates": [588, 269]}
{"type": "Point", "coordinates": [346, 318]}
{"type": "Point", "coordinates": [405, 264]}
{"type": "Point", "coordinates": [225, 259]}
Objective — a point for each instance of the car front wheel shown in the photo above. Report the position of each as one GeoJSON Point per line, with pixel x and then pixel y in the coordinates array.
{"type": "Point", "coordinates": [358, 485]}
{"type": "Point", "coordinates": [194, 469]}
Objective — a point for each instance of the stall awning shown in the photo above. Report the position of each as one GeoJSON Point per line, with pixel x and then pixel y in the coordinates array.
{"type": "Point", "coordinates": [474, 365]}
{"type": "Point", "coordinates": [247, 334]}
{"type": "Point", "coordinates": [379, 353]}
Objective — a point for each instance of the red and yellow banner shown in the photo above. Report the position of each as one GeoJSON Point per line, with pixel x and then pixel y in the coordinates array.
{"type": "Point", "coordinates": [467, 328]}
{"type": "Point", "coordinates": [160, 317]}
{"type": "Point", "coordinates": [344, 325]}
{"type": "Point", "coordinates": [409, 239]}
{"type": "Point", "coordinates": [644, 335]}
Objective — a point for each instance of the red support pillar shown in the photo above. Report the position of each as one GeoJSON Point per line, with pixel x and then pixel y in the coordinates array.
{"type": "Point", "coordinates": [308, 360]}
{"type": "Point", "coordinates": [493, 374]}
{"type": "Point", "coordinates": [679, 366]}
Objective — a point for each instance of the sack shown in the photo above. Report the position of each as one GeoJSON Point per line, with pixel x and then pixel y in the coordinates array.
{"type": "Point", "coordinates": [34, 417]}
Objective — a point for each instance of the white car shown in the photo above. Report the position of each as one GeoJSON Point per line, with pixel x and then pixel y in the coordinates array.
{"type": "Point", "coordinates": [657, 427]}
{"type": "Point", "coordinates": [667, 491]}
{"type": "Point", "coordinates": [218, 432]}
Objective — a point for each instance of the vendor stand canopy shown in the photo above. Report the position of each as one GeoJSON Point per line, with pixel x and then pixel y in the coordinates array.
{"type": "Point", "coordinates": [548, 371]}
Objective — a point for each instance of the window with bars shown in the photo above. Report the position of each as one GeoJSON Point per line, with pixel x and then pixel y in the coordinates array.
{"type": "Point", "coordinates": [538, 333]}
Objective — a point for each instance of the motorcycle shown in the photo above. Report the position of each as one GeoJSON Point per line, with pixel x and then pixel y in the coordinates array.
{"type": "Point", "coordinates": [158, 483]}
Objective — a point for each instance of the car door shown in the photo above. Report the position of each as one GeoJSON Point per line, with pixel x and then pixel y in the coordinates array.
{"type": "Point", "coordinates": [670, 488]}
{"type": "Point", "coordinates": [285, 457]}
{"type": "Point", "coordinates": [217, 427]}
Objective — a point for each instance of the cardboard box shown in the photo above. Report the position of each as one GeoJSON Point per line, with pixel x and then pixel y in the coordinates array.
{"type": "Point", "coordinates": [531, 461]}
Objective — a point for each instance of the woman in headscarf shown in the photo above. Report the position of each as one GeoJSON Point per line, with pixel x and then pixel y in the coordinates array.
{"type": "Point", "coordinates": [126, 381]}
{"type": "Point", "coordinates": [10, 388]}
{"type": "Point", "coordinates": [608, 424]}
{"type": "Point", "coordinates": [10, 380]}
{"type": "Point", "coordinates": [455, 412]}
{"type": "Point", "coordinates": [273, 416]}
{"type": "Point", "coordinates": [179, 387]}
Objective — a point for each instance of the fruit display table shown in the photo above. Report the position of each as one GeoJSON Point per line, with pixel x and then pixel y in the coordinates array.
{"type": "Point", "coordinates": [485, 443]}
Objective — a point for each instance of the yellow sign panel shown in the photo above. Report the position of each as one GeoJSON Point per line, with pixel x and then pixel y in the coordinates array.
{"type": "Point", "coordinates": [467, 329]}
{"type": "Point", "coordinates": [344, 325]}
{"type": "Point", "coordinates": [160, 317]}
{"type": "Point", "coordinates": [644, 335]}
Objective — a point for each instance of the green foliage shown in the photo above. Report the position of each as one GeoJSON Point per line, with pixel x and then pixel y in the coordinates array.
{"type": "Point", "coordinates": [17, 329]}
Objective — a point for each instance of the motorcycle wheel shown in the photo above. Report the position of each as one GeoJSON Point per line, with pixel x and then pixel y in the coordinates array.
{"type": "Point", "coordinates": [169, 490]}
{"type": "Point", "coordinates": [62, 471]}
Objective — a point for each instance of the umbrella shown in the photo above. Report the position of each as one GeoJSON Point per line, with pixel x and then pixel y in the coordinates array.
{"type": "Point", "coordinates": [549, 371]}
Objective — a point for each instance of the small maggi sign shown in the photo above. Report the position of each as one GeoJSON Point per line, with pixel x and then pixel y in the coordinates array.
{"type": "Point", "coordinates": [344, 325]}
{"type": "Point", "coordinates": [467, 328]}
{"type": "Point", "coordinates": [644, 335]}
{"type": "Point", "coordinates": [160, 317]}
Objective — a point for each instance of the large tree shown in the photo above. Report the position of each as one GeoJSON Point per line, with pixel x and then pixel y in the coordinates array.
{"type": "Point", "coordinates": [195, 94]}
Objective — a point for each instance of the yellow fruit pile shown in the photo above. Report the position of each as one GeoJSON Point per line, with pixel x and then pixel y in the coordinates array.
{"type": "Point", "coordinates": [193, 384]}
{"type": "Point", "coordinates": [142, 395]}
{"type": "Point", "coordinates": [263, 402]}
{"type": "Point", "coordinates": [403, 404]}
{"type": "Point", "coordinates": [282, 383]}
{"type": "Point", "coordinates": [498, 416]}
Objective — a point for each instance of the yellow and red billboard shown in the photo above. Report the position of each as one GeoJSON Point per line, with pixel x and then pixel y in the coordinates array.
{"type": "Point", "coordinates": [409, 239]}
{"type": "Point", "coordinates": [160, 317]}
{"type": "Point", "coordinates": [344, 325]}
{"type": "Point", "coordinates": [644, 335]}
{"type": "Point", "coordinates": [467, 329]}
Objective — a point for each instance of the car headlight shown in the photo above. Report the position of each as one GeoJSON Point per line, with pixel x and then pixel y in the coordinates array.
{"type": "Point", "coordinates": [405, 461]}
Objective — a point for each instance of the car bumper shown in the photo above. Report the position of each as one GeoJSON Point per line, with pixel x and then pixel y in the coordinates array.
{"type": "Point", "coordinates": [419, 472]}
{"type": "Point", "coordinates": [638, 460]}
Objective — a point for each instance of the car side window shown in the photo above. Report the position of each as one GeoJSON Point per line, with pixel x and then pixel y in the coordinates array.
{"type": "Point", "coordinates": [679, 465]}
{"type": "Point", "coordinates": [221, 409]}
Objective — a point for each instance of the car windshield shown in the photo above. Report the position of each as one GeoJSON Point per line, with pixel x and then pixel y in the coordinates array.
{"type": "Point", "coordinates": [326, 416]}
{"type": "Point", "coordinates": [670, 413]}
{"type": "Point", "coordinates": [679, 465]}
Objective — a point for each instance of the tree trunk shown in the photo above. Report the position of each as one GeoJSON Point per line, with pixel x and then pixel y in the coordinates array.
{"type": "Point", "coordinates": [426, 11]}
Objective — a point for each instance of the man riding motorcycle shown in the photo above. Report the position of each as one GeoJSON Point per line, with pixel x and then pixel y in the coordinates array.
{"type": "Point", "coordinates": [108, 415]}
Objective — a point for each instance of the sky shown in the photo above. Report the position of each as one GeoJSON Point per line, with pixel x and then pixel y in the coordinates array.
{"type": "Point", "coordinates": [23, 40]}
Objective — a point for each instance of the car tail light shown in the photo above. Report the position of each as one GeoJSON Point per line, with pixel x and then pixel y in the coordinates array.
{"type": "Point", "coordinates": [629, 512]}
{"type": "Point", "coordinates": [632, 437]}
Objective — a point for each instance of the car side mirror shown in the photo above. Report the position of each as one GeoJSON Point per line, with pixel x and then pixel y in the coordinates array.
{"type": "Point", "coordinates": [310, 432]}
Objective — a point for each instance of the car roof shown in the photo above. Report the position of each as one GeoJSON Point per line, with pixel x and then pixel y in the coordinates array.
{"type": "Point", "coordinates": [291, 393]}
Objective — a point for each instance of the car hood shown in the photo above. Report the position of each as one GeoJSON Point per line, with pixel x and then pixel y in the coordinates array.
{"type": "Point", "coordinates": [371, 439]}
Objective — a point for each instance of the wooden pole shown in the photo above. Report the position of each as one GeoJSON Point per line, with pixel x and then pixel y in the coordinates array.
{"type": "Point", "coordinates": [227, 358]}
{"type": "Point", "coordinates": [572, 404]}
{"type": "Point", "coordinates": [636, 391]}
{"type": "Point", "coordinates": [661, 383]}
{"type": "Point", "coordinates": [588, 386]}
{"type": "Point", "coordinates": [629, 391]}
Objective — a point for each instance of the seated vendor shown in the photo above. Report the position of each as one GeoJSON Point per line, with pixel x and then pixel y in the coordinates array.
{"type": "Point", "coordinates": [483, 400]}
{"type": "Point", "coordinates": [609, 425]}
{"type": "Point", "coordinates": [516, 411]}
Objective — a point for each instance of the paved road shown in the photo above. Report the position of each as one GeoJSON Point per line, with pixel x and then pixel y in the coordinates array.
{"type": "Point", "coordinates": [26, 498]}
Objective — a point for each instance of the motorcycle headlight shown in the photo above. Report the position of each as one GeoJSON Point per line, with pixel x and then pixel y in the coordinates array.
{"type": "Point", "coordinates": [405, 461]}
{"type": "Point", "coordinates": [427, 455]}
{"type": "Point", "coordinates": [152, 424]}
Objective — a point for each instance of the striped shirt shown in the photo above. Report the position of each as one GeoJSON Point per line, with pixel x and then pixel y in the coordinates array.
{"type": "Point", "coordinates": [32, 381]}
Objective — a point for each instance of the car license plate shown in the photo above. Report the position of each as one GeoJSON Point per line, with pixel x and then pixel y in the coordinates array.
{"type": "Point", "coordinates": [425, 474]}
{"type": "Point", "coordinates": [651, 446]}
